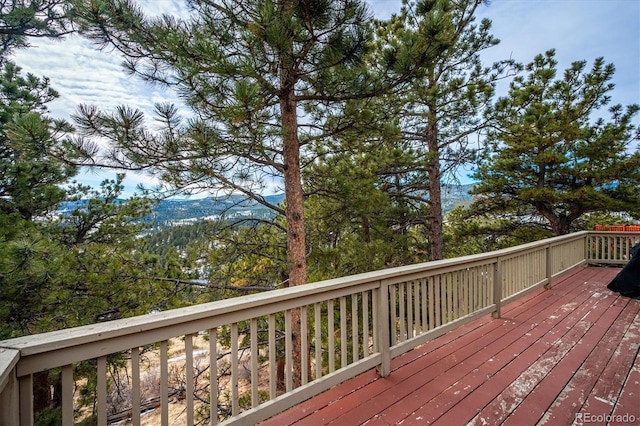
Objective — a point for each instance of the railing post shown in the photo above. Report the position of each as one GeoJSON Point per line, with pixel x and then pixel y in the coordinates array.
{"type": "Point", "coordinates": [497, 287]}
{"type": "Point", "coordinates": [25, 384]}
{"type": "Point", "coordinates": [549, 269]}
{"type": "Point", "coordinates": [382, 326]}
{"type": "Point", "coordinates": [9, 388]}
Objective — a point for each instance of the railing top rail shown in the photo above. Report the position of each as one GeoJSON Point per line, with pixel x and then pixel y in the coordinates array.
{"type": "Point", "coordinates": [623, 233]}
{"type": "Point", "coordinates": [93, 333]}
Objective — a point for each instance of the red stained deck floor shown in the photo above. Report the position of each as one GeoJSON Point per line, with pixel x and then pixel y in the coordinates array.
{"type": "Point", "coordinates": [569, 355]}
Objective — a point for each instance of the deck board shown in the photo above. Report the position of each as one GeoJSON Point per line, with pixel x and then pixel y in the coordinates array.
{"type": "Point", "coordinates": [553, 355]}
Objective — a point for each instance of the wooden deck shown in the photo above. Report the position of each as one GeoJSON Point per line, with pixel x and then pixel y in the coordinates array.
{"type": "Point", "coordinates": [563, 356]}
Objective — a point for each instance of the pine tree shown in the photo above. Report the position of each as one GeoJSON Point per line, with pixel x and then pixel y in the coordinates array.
{"type": "Point", "coordinates": [21, 20]}
{"type": "Point", "coordinates": [440, 110]}
{"type": "Point", "coordinates": [247, 70]}
{"type": "Point", "coordinates": [245, 76]}
{"type": "Point", "coordinates": [552, 157]}
{"type": "Point", "coordinates": [30, 143]}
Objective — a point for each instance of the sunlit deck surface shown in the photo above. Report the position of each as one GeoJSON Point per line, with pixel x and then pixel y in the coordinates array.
{"type": "Point", "coordinates": [563, 356]}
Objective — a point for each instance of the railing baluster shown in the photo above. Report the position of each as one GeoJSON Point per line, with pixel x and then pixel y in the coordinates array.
{"type": "Point", "coordinates": [484, 282]}
{"type": "Point", "coordinates": [444, 304]}
{"type": "Point", "coordinates": [479, 280]}
{"type": "Point", "coordinates": [484, 277]}
{"type": "Point", "coordinates": [448, 298]}
{"type": "Point", "coordinates": [402, 315]}
{"type": "Point", "coordinates": [254, 363]}
{"type": "Point", "coordinates": [213, 376]}
{"type": "Point", "coordinates": [392, 311]}
{"type": "Point", "coordinates": [463, 294]}
{"type": "Point", "coordinates": [473, 289]}
{"type": "Point", "coordinates": [375, 305]}
{"type": "Point", "coordinates": [455, 297]}
{"type": "Point", "coordinates": [416, 308]}
{"type": "Point", "coordinates": [383, 330]}
{"type": "Point", "coordinates": [423, 294]}
{"type": "Point", "coordinates": [437, 299]}
{"type": "Point", "coordinates": [409, 302]}
{"type": "Point", "coordinates": [365, 324]}
{"type": "Point", "coordinates": [273, 363]}
{"type": "Point", "coordinates": [513, 277]}
{"type": "Point", "coordinates": [317, 317]}
{"type": "Point", "coordinates": [431, 303]}
{"type": "Point", "coordinates": [67, 394]}
{"type": "Point", "coordinates": [343, 331]}
{"type": "Point", "coordinates": [332, 334]}
{"type": "Point", "coordinates": [354, 327]}
{"type": "Point", "coordinates": [164, 383]}
{"type": "Point", "coordinates": [455, 301]}
{"type": "Point", "coordinates": [188, 353]}
{"type": "Point", "coordinates": [448, 293]}
{"type": "Point", "coordinates": [288, 350]}
{"type": "Point", "coordinates": [235, 397]}
{"type": "Point", "coordinates": [101, 392]}
{"type": "Point", "coordinates": [523, 265]}
{"type": "Point", "coordinates": [135, 383]}
{"type": "Point", "coordinates": [526, 275]}
{"type": "Point", "coordinates": [517, 276]}
{"type": "Point", "coordinates": [304, 348]}
{"type": "Point", "coordinates": [468, 290]}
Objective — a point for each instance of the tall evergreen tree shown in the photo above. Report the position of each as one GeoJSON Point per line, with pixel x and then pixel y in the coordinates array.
{"type": "Point", "coordinates": [58, 272]}
{"type": "Point", "coordinates": [440, 110]}
{"type": "Point", "coordinates": [552, 156]}
{"type": "Point", "coordinates": [247, 70]}
{"type": "Point", "coordinates": [30, 146]}
{"type": "Point", "coordinates": [362, 214]}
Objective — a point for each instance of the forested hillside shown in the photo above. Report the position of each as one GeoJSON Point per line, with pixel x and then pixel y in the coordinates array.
{"type": "Point", "coordinates": [365, 124]}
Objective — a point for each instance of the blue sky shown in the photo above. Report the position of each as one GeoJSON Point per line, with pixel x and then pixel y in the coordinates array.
{"type": "Point", "coordinates": [577, 29]}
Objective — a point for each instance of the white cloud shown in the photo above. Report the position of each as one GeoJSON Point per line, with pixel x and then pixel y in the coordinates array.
{"type": "Point", "coordinates": [577, 29]}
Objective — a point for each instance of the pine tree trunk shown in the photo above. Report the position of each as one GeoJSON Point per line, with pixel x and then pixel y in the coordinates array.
{"type": "Point", "coordinates": [435, 193]}
{"type": "Point", "coordinates": [294, 212]}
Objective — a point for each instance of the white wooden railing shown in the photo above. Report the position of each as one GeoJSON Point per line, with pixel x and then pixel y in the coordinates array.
{"type": "Point", "coordinates": [348, 325]}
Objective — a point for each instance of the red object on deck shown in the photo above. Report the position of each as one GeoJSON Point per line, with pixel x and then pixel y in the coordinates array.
{"type": "Point", "coordinates": [617, 228]}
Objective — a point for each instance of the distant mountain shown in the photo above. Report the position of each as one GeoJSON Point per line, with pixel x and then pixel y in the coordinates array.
{"type": "Point", "coordinates": [454, 196]}
{"type": "Point", "coordinates": [235, 207]}
{"type": "Point", "coordinates": [175, 211]}
{"type": "Point", "coordinates": [230, 208]}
